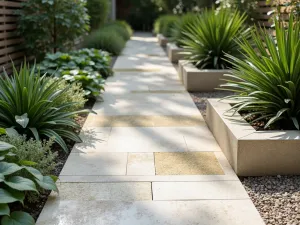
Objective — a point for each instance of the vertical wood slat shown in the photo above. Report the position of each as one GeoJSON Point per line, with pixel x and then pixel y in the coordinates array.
{"type": "Point", "coordinates": [11, 47]}
{"type": "Point", "coordinates": [263, 8]}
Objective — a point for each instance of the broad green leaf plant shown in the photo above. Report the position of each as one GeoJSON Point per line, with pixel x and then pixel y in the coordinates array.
{"type": "Point", "coordinates": [267, 82]}
{"type": "Point", "coordinates": [30, 106]}
{"type": "Point", "coordinates": [88, 67]}
{"type": "Point", "coordinates": [17, 179]}
{"type": "Point", "coordinates": [212, 35]}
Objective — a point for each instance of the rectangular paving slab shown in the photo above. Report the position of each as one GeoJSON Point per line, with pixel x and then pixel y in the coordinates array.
{"type": "Point", "coordinates": [140, 164]}
{"type": "Point", "coordinates": [95, 164]}
{"type": "Point", "coordinates": [199, 190]}
{"type": "Point", "coordinates": [205, 212]}
{"type": "Point", "coordinates": [133, 191]}
{"type": "Point", "coordinates": [187, 163]}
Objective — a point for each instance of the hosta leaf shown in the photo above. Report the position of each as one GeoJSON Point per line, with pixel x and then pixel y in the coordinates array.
{"type": "Point", "coordinates": [4, 210]}
{"type": "Point", "coordinates": [11, 132]}
{"type": "Point", "coordinates": [22, 120]}
{"type": "Point", "coordinates": [5, 146]}
{"type": "Point", "coordinates": [27, 163]}
{"type": "Point", "coordinates": [11, 196]}
{"type": "Point", "coordinates": [18, 218]}
{"type": "Point", "coordinates": [9, 168]}
{"type": "Point", "coordinates": [34, 172]}
{"type": "Point", "coordinates": [20, 184]}
{"type": "Point", "coordinates": [47, 183]}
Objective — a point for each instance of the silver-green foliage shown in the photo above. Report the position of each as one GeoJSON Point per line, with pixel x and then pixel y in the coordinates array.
{"type": "Point", "coordinates": [267, 82]}
{"type": "Point", "coordinates": [17, 179]}
{"type": "Point", "coordinates": [212, 35]}
{"type": "Point", "coordinates": [33, 150]}
{"type": "Point", "coordinates": [30, 106]}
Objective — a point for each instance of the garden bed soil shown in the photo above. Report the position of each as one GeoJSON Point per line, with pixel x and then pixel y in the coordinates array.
{"type": "Point", "coordinates": [34, 209]}
{"type": "Point", "coordinates": [277, 198]}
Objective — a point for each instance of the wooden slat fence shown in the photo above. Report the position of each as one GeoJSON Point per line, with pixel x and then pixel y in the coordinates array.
{"type": "Point", "coordinates": [11, 47]}
{"type": "Point", "coordinates": [262, 12]}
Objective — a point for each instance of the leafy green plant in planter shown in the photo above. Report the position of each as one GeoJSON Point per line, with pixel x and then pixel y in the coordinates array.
{"type": "Point", "coordinates": [212, 35]}
{"type": "Point", "coordinates": [88, 67]}
{"type": "Point", "coordinates": [180, 27]}
{"type": "Point", "coordinates": [31, 107]}
{"type": "Point", "coordinates": [51, 25]}
{"type": "Point", "coordinates": [17, 179]}
{"type": "Point", "coordinates": [267, 83]}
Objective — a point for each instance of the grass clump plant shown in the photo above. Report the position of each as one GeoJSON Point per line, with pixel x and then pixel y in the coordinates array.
{"type": "Point", "coordinates": [267, 82]}
{"type": "Point", "coordinates": [212, 35]}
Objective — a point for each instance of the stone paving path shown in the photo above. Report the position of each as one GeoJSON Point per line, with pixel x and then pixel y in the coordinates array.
{"type": "Point", "coordinates": [148, 157]}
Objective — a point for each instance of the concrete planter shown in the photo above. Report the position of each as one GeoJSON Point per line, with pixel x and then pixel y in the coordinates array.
{"type": "Point", "coordinates": [162, 40]}
{"type": "Point", "coordinates": [201, 80]}
{"type": "Point", "coordinates": [174, 52]}
{"type": "Point", "coordinates": [251, 152]}
{"type": "Point", "coordinates": [181, 63]}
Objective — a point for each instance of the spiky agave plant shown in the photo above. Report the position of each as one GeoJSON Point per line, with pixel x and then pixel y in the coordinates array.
{"type": "Point", "coordinates": [212, 35]}
{"type": "Point", "coordinates": [30, 106]}
{"type": "Point", "coordinates": [267, 82]}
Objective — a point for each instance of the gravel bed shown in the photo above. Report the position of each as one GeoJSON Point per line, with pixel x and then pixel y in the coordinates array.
{"type": "Point", "coordinates": [201, 97]}
{"type": "Point", "coordinates": [277, 198]}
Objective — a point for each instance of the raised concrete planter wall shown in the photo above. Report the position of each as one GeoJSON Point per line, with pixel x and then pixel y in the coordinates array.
{"type": "Point", "coordinates": [251, 152]}
{"type": "Point", "coordinates": [201, 80]}
{"type": "Point", "coordinates": [174, 52]}
{"type": "Point", "coordinates": [181, 63]}
{"type": "Point", "coordinates": [162, 40]}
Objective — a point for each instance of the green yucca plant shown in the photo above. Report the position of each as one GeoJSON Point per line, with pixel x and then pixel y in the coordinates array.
{"type": "Point", "coordinates": [180, 26]}
{"type": "Point", "coordinates": [267, 83]}
{"type": "Point", "coordinates": [30, 105]}
{"type": "Point", "coordinates": [212, 35]}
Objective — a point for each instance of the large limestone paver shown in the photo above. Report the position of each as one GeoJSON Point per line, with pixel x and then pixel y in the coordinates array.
{"type": "Point", "coordinates": [106, 182]}
{"type": "Point", "coordinates": [205, 212]}
{"type": "Point", "coordinates": [124, 191]}
{"type": "Point", "coordinates": [198, 190]}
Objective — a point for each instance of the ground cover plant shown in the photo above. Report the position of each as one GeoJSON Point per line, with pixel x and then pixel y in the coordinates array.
{"type": "Point", "coordinates": [212, 35]}
{"type": "Point", "coordinates": [88, 67]}
{"type": "Point", "coordinates": [30, 106]}
{"type": "Point", "coordinates": [50, 25]}
{"type": "Point", "coordinates": [17, 179]}
{"type": "Point", "coordinates": [111, 37]}
{"type": "Point", "coordinates": [267, 83]}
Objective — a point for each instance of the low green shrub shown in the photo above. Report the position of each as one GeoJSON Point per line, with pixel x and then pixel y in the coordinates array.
{"type": "Point", "coordinates": [87, 67]}
{"type": "Point", "coordinates": [178, 33]}
{"type": "Point", "coordinates": [36, 151]}
{"type": "Point", "coordinates": [267, 82]}
{"type": "Point", "coordinates": [106, 39]}
{"type": "Point", "coordinates": [30, 106]}
{"type": "Point", "coordinates": [212, 35]}
{"type": "Point", "coordinates": [18, 179]}
{"type": "Point", "coordinates": [98, 11]}
{"type": "Point", "coordinates": [74, 93]}
{"type": "Point", "coordinates": [165, 24]}
{"type": "Point", "coordinates": [123, 28]}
